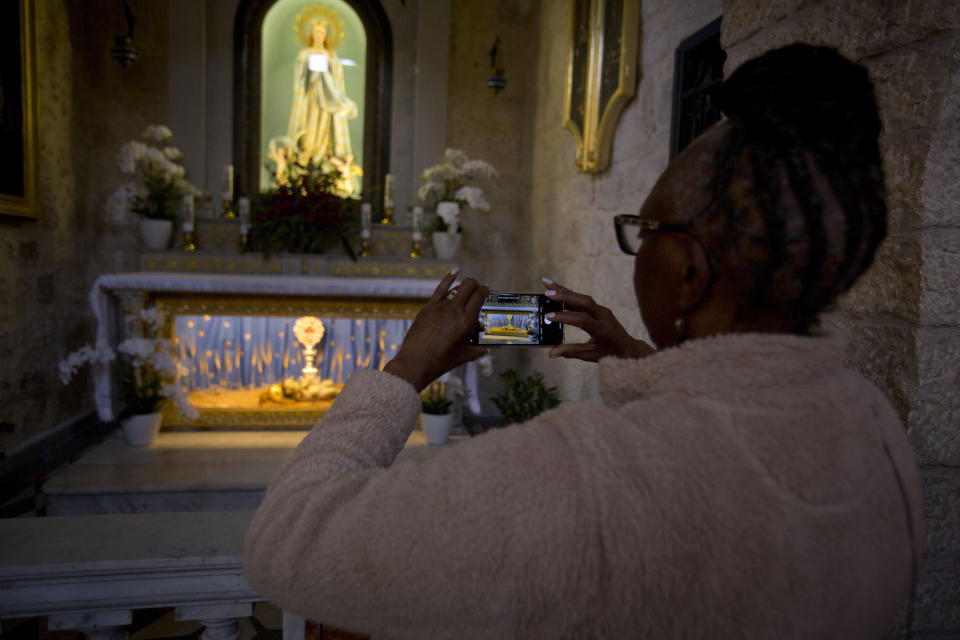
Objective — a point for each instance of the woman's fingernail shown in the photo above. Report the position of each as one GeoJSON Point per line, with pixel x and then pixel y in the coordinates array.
{"type": "Point", "coordinates": [454, 271]}
{"type": "Point", "coordinates": [550, 292]}
{"type": "Point", "coordinates": [547, 281]}
{"type": "Point", "coordinates": [550, 316]}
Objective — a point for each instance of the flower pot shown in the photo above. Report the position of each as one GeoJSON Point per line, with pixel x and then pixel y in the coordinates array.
{"type": "Point", "coordinates": [142, 429]}
{"type": "Point", "coordinates": [446, 244]}
{"type": "Point", "coordinates": [156, 234]}
{"type": "Point", "coordinates": [436, 428]}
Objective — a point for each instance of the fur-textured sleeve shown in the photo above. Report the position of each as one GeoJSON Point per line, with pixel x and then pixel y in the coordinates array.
{"type": "Point", "coordinates": [493, 537]}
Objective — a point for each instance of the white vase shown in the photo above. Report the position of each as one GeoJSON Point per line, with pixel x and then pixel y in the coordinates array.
{"type": "Point", "coordinates": [436, 428]}
{"type": "Point", "coordinates": [156, 234]}
{"type": "Point", "coordinates": [142, 429]}
{"type": "Point", "coordinates": [446, 244]}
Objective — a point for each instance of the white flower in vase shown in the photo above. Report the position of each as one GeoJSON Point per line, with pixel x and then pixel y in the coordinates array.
{"type": "Point", "coordinates": [451, 185]}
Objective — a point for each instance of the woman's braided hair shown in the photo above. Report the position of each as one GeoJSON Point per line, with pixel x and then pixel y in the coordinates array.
{"type": "Point", "coordinates": [798, 195]}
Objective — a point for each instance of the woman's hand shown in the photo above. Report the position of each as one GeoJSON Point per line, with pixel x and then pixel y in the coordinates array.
{"type": "Point", "coordinates": [607, 335]}
{"type": "Point", "coordinates": [438, 339]}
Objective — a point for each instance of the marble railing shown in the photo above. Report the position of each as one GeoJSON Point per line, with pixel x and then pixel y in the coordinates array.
{"type": "Point", "coordinates": [89, 573]}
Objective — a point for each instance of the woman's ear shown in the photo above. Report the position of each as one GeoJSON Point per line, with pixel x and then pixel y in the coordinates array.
{"type": "Point", "coordinates": [696, 276]}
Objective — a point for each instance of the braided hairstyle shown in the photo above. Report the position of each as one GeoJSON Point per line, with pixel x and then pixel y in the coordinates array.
{"type": "Point", "coordinates": [798, 196]}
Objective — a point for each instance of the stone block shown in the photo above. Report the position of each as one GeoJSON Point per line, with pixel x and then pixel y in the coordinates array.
{"type": "Point", "coordinates": [904, 156]}
{"type": "Point", "coordinates": [940, 304]}
{"type": "Point", "coordinates": [940, 192]}
{"type": "Point", "coordinates": [885, 355]}
{"type": "Point", "coordinates": [941, 508]}
{"type": "Point", "coordinates": [934, 418]}
{"type": "Point", "coordinates": [743, 18]}
{"type": "Point", "coordinates": [892, 285]}
{"type": "Point", "coordinates": [936, 611]}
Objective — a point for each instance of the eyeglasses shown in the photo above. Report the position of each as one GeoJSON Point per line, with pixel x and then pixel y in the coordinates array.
{"type": "Point", "coordinates": [630, 230]}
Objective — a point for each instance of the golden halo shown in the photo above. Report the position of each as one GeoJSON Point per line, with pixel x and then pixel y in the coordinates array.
{"type": "Point", "coordinates": [311, 14]}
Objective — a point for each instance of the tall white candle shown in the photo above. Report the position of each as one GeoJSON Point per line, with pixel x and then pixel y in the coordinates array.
{"type": "Point", "coordinates": [228, 182]}
{"type": "Point", "coordinates": [243, 209]}
{"type": "Point", "coordinates": [188, 213]}
{"type": "Point", "coordinates": [388, 190]}
{"type": "Point", "coordinates": [366, 215]}
{"type": "Point", "coordinates": [417, 217]}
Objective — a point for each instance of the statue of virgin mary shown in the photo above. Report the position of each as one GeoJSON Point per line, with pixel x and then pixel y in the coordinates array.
{"type": "Point", "coordinates": [318, 124]}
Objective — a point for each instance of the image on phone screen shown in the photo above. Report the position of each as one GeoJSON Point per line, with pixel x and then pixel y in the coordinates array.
{"type": "Point", "coordinates": [518, 319]}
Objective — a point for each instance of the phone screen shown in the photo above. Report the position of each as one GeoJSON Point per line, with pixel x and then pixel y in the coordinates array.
{"type": "Point", "coordinates": [517, 319]}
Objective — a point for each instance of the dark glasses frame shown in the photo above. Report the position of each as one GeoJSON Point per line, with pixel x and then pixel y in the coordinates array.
{"type": "Point", "coordinates": [622, 221]}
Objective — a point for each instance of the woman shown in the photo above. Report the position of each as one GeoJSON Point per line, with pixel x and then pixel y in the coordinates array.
{"type": "Point", "coordinates": [737, 482]}
{"type": "Point", "coordinates": [318, 116]}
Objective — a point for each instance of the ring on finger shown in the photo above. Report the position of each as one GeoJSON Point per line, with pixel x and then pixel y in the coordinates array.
{"type": "Point", "coordinates": [452, 293]}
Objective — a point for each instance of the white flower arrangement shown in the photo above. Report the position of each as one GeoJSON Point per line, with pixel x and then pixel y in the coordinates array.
{"type": "Point", "coordinates": [156, 180]}
{"type": "Point", "coordinates": [151, 374]}
{"type": "Point", "coordinates": [449, 186]}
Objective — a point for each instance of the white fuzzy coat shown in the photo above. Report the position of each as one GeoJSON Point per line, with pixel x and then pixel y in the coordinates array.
{"type": "Point", "coordinates": [737, 486]}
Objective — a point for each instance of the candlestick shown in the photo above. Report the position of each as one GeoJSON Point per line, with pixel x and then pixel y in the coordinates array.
{"type": "Point", "coordinates": [242, 242]}
{"type": "Point", "coordinates": [387, 200]}
{"type": "Point", "coordinates": [416, 249]}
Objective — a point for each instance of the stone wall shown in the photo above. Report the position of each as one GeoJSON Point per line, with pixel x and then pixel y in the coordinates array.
{"type": "Point", "coordinates": [572, 237]}
{"type": "Point", "coordinates": [903, 317]}
{"type": "Point", "coordinates": [88, 105]}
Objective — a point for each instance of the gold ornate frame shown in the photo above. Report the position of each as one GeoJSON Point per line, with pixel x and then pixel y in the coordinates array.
{"type": "Point", "coordinates": [291, 417]}
{"type": "Point", "coordinates": [601, 75]}
{"type": "Point", "coordinates": [24, 204]}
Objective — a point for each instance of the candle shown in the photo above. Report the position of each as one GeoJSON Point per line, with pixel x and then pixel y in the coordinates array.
{"type": "Point", "coordinates": [388, 191]}
{"type": "Point", "coordinates": [188, 213]}
{"type": "Point", "coordinates": [228, 182]}
{"type": "Point", "coordinates": [366, 214]}
{"type": "Point", "coordinates": [243, 206]}
{"type": "Point", "coordinates": [417, 236]}
{"type": "Point", "coordinates": [417, 217]}
{"type": "Point", "coordinates": [244, 228]}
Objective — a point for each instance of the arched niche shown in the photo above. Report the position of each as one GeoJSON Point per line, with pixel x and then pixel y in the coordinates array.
{"type": "Point", "coordinates": [248, 86]}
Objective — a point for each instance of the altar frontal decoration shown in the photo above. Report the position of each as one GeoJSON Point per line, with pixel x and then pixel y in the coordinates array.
{"type": "Point", "coordinates": [248, 362]}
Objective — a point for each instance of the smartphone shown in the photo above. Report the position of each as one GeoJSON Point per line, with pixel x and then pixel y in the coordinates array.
{"type": "Point", "coordinates": [518, 320]}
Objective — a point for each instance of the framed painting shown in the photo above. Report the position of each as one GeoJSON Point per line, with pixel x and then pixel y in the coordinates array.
{"type": "Point", "coordinates": [18, 111]}
{"type": "Point", "coordinates": [601, 75]}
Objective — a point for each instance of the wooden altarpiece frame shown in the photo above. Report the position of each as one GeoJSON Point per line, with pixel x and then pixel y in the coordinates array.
{"type": "Point", "coordinates": [18, 143]}
{"type": "Point", "coordinates": [247, 87]}
{"type": "Point", "coordinates": [602, 73]}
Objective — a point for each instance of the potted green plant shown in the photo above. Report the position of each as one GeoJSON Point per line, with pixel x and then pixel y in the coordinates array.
{"type": "Point", "coordinates": [436, 418]}
{"type": "Point", "coordinates": [149, 377]}
{"type": "Point", "coordinates": [524, 398]}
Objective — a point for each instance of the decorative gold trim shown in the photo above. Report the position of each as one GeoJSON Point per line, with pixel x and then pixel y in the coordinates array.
{"type": "Point", "coordinates": [595, 140]}
{"type": "Point", "coordinates": [266, 418]}
{"type": "Point", "coordinates": [327, 307]}
{"type": "Point", "coordinates": [10, 204]}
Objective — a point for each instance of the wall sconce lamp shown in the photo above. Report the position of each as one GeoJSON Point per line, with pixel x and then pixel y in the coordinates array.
{"type": "Point", "coordinates": [496, 82]}
{"type": "Point", "coordinates": [122, 50]}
